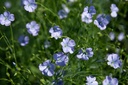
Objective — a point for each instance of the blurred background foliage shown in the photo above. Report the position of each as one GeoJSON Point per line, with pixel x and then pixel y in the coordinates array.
{"type": "Point", "coordinates": [23, 68]}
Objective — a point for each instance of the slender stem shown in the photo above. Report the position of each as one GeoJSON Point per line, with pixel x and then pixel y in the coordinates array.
{"type": "Point", "coordinates": [6, 40]}
{"type": "Point", "coordinates": [13, 47]}
{"type": "Point", "coordinates": [47, 9]}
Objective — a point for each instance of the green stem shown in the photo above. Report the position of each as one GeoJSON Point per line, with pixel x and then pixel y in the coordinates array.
{"type": "Point", "coordinates": [13, 47]}
{"type": "Point", "coordinates": [48, 9]}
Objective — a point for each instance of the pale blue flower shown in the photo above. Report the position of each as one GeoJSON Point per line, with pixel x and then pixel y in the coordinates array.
{"type": "Point", "coordinates": [86, 17]}
{"type": "Point", "coordinates": [60, 59]}
{"type": "Point", "coordinates": [85, 54]}
{"type": "Point", "coordinates": [114, 10]}
{"type": "Point", "coordinates": [29, 5]}
{"type": "Point", "coordinates": [33, 28]}
{"type": "Point", "coordinates": [121, 36]}
{"type": "Point", "coordinates": [112, 35]}
{"type": "Point", "coordinates": [63, 13]}
{"type": "Point", "coordinates": [68, 45]}
{"type": "Point", "coordinates": [102, 21]}
{"type": "Point", "coordinates": [7, 4]}
{"type": "Point", "coordinates": [47, 68]}
{"type": "Point", "coordinates": [92, 10]}
{"type": "Point", "coordinates": [110, 81]}
{"type": "Point", "coordinates": [87, 14]}
{"type": "Point", "coordinates": [6, 18]}
{"type": "Point", "coordinates": [23, 40]}
{"type": "Point", "coordinates": [47, 44]}
{"type": "Point", "coordinates": [91, 80]}
{"type": "Point", "coordinates": [56, 32]}
{"type": "Point", "coordinates": [114, 61]}
{"type": "Point", "coordinates": [71, 1]}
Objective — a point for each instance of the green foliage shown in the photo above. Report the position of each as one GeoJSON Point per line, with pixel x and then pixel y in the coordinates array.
{"type": "Point", "coordinates": [19, 65]}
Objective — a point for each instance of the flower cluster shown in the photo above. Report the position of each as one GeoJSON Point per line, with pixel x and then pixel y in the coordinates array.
{"type": "Point", "coordinates": [114, 61]}
{"type": "Point", "coordinates": [47, 68]}
{"type": "Point", "coordinates": [29, 5]}
{"type": "Point", "coordinates": [56, 32]}
{"type": "Point", "coordinates": [114, 10]}
{"type": "Point", "coordinates": [110, 81]}
{"type": "Point", "coordinates": [33, 28]}
{"type": "Point", "coordinates": [85, 54]}
{"type": "Point", "coordinates": [87, 14]}
{"type": "Point", "coordinates": [102, 21]}
{"type": "Point", "coordinates": [91, 80]}
{"type": "Point", "coordinates": [23, 40]}
{"type": "Point", "coordinates": [61, 59]}
{"type": "Point", "coordinates": [6, 18]}
{"type": "Point", "coordinates": [68, 45]}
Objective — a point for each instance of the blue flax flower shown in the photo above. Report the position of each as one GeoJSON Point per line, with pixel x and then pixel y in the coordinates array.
{"type": "Point", "coordinates": [87, 14]}
{"type": "Point", "coordinates": [71, 1]}
{"type": "Point", "coordinates": [85, 54]}
{"type": "Point", "coordinates": [33, 28]}
{"type": "Point", "coordinates": [68, 45]}
{"type": "Point", "coordinates": [29, 5]}
{"type": "Point", "coordinates": [7, 4]}
{"type": "Point", "coordinates": [61, 59]}
{"type": "Point", "coordinates": [102, 21]}
{"type": "Point", "coordinates": [47, 44]}
{"type": "Point", "coordinates": [47, 68]}
{"type": "Point", "coordinates": [121, 36]}
{"type": "Point", "coordinates": [114, 10]}
{"type": "Point", "coordinates": [114, 61]}
{"type": "Point", "coordinates": [91, 80]}
{"type": "Point", "coordinates": [6, 18]}
{"type": "Point", "coordinates": [63, 13]}
{"type": "Point", "coordinates": [23, 40]}
{"type": "Point", "coordinates": [56, 32]}
{"type": "Point", "coordinates": [110, 81]}
{"type": "Point", "coordinates": [112, 35]}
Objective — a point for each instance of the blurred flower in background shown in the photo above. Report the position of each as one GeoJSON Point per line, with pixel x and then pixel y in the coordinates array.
{"type": "Point", "coordinates": [121, 36]}
{"type": "Point", "coordinates": [58, 82]}
{"type": "Point", "coordinates": [71, 1]}
{"type": "Point", "coordinates": [6, 18]}
{"type": "Point", "coordinates": [87, 14]}
{"type": "Point", "coordinates": [29, 5]}
{"type": "Point", "coordinates": [47, 44]}
{"type": "Point", "coordinates": [85, 54]}
{"type": "Point", "coordinates": [102, 21]}
{"type": "Point", "coordinates": [114, 10]}
{"type": "Point", "coordinates": [47, 68]}
{"type": "Point", "coordinates": [114, 61]}
{"type": "Point", "coordinates": [110, 81]}
{"type": "Point", "coordinates": [112, 36]}
{"type": "Point", "coordinates": [68, 45]}
{"type": "Point", "coordinates": [33, 28]}
{"type": "Point", "coordinates": [23, 40]}
{"type": "Point", "coordinates": [91, 80]}
{"type": "Point", "coordinates": [61, 59]}
{"type": "Point", "coordinates": [63, 13]}
{"type": "Point", "coordinates": [56, 32]}
{"type": "Point", "coordinates": [7, 4]}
